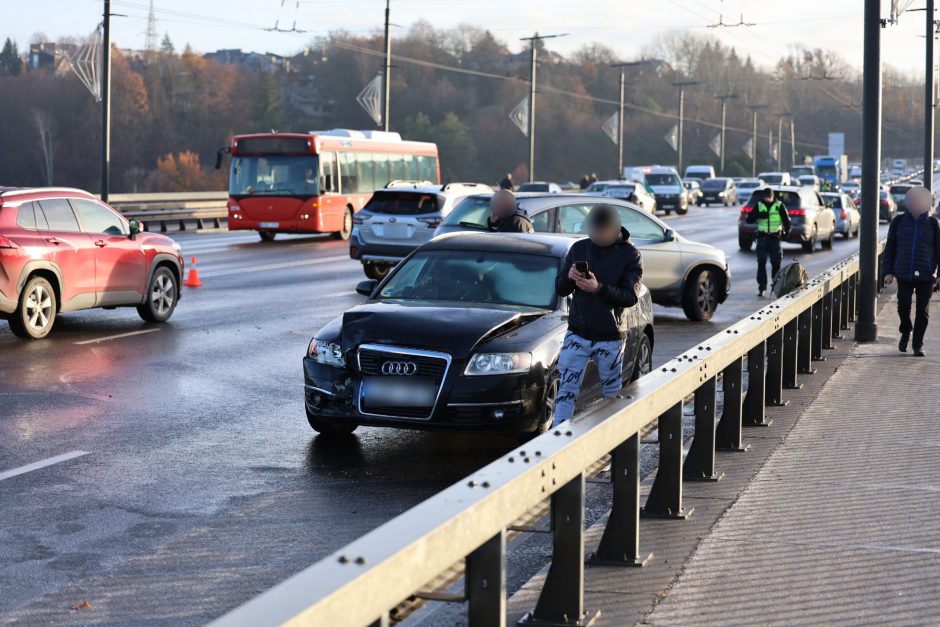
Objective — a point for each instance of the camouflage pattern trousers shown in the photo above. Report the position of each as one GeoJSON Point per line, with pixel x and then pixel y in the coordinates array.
{"type": "Point", "coordinates": [576, 352]}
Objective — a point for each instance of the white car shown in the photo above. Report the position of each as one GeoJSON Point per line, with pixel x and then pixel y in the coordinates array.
{"type": "Point", "coordinates": [776, 178]}
{"type": "Point", "coordinates": [809, 180]}
{"type": "Point", "coordinates": [632, 192]}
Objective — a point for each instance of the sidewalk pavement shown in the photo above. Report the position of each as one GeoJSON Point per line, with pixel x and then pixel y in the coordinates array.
{"type": "Point", "coordinates": [828, 519]}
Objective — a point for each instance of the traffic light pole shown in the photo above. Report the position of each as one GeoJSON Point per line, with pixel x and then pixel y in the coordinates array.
{"type": "Point", "coordinates": [866, 326]}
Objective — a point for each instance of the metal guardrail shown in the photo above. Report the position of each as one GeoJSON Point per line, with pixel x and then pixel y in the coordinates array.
{"type": "Point", "coordinates": [201, 208]}
{"type": "Point", "coordinates": [468, 521]}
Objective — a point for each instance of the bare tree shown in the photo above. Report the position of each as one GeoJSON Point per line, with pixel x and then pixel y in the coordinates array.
{"type": "Point", "coordinates": [45, 127]}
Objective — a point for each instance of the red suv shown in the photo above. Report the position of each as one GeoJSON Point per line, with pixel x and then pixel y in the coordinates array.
{"type": "Point", "coordinates": [63, 249]}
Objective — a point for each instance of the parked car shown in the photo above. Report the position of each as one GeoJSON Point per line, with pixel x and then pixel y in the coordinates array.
{"type": "Point", "coordinates": [678, 271]}
{"type": "Point", "coordinates": [776, 178]}
{"type": "Point", "coordinates": [700, 172]}
{"type": "Point", "coordinates": [851, 188]}
{"type": "Point", "coordinates": [811, 221]}
{"type": "Point", "coordinates": [720, 191]}
{"type": "Point", "coordinates": [62, 250]}
{"type": "Point", "coordinates": [632, 192]}
{"type": "Point", "coordinates": [399, 218]}
{"type": "Point", "coordinates": [693, 190]}
{"type": "Point", "coordinates": [487, 355]}
{"type": "Point", "coordinates": [746, 186]}
{"type": "Point", "coordinates": [848, 218]}
{"type": "Point", "coordinates": [539, 186]}
{"type": "Point", "coordinates": [810, 181]}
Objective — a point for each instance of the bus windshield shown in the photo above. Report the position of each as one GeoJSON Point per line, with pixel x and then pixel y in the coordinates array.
{"type": "Point", "coordinates": [274, 175]}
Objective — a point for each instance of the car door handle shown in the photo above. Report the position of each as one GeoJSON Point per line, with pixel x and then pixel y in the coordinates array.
{"type": "Point", "coordinates": [53, 240]}
{"type": "Point", "coordinates": [101, 243]}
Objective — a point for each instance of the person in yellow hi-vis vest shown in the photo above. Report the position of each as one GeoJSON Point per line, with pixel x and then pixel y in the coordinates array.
{"type": "Point", "coordinates": [773, 223]}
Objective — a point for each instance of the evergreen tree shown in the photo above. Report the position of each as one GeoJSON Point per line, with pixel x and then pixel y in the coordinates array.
{"type": "Point", "coordinates": [10, 62]}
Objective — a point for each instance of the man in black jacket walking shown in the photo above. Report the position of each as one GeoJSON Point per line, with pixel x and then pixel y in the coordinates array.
{"type": "Point", "coordinates": [610, 284]}
{"type": "Point", "coordinates": [912, 254]}
{"type": "Point", "coordinates": [506, 216]}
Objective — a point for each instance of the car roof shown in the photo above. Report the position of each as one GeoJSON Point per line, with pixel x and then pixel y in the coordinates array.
{"type": "Point", "coordinates": [446, 188]}
{"type": "Point", "coordinates": [17, 191]}
{"type": "Point", "coordinates": [556, 245]}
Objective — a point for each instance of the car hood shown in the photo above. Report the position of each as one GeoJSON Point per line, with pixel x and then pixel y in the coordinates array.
{"type": "Point", "coordinates": [454, 329]}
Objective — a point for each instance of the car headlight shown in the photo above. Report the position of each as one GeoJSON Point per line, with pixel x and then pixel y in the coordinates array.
{"type": "Point", "coordinates": [327, 353]}
{"type": "Point", "coordinates": [498, 363]}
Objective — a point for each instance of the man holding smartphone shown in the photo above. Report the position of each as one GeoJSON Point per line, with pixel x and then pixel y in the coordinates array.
{"type": "Point", "coordinates": [603, 272]}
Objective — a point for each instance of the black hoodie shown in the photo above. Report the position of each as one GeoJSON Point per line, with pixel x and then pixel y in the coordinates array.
{"type": "Point", "coordinates": [619, 269]}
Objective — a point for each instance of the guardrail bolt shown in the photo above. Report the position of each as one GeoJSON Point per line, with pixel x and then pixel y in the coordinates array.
{"type": "Point", "coordinates": [568, 433]}
{"type": "Point", "coordinates": [511, 460]}
{"type": "Point", "coordinates": [360, 560]}
{"type": "Point", "coordinates": [471, 484]}
{"type": "Point", "coordinates": [486, 484]}
{"type": "Point", "coordinates": [343, 559]}
{"type": "Point", "coordinates": [537, 453]}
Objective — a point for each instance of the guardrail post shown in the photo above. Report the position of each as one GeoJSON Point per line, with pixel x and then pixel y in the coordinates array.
{"type": "Point", "coordinates": [756, 388]}
{"type": "Point", "coordinates": [804, 353]}
{"type": "Point", "coordinates": [817, 338]}
{"type": "Point", "coordinates": [791, 335]}
{"type": "Point", "coordinates": [700, 462]}
{"type": "Point", "coordinates": [485, 583]}
{"type": "Point", "coordinates": [837, 313]}
{"type": "Point", "coordinates": [382, 621]}
{"type": "Point", "coordinates": [561, 601]}
{"type": "Point", "coordinates": [620, 544]}
{"type": "Point", "coordinates": [844, 306]}
{"type": "Point", "coordinates": [162, 226]}
{"type": "Point", "coordinates": [853, 297]}
{"type": "Point", "coordinates": [773, 393]}
{"type": "Point", "coordinates": [728, 435]}
{"type": "Point", "coordinates": [665, 497]}
{"type": "Point", "coordinates": [827, 320]}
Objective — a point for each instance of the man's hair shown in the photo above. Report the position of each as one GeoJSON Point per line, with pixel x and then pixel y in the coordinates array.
{"type": "Point", "coordinates": [603, 215]}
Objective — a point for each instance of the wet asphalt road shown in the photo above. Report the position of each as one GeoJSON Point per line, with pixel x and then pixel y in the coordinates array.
{"type": "Point", "coordinates": [203, 484]}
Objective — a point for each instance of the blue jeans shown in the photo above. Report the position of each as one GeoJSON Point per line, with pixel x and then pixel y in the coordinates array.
{"type": "Point", "coordinates": [576, 352]}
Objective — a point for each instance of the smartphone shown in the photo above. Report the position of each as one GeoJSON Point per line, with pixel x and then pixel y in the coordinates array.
{"type": "Point", "coordinates": [582, 267]}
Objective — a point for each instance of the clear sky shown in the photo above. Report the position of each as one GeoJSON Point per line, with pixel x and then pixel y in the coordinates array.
{"type": "Point", "coordinates": [625, 25]}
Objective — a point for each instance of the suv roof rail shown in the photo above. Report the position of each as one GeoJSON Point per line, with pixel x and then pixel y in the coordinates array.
{"type": "Point", "coordinates": [449, 186]}
{"type": "Point", "coordinates": [407, 183]}
{"type": "Point", "coordinates": [33, 190]}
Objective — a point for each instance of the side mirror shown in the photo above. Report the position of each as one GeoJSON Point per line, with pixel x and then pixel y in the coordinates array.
{"type": "Point", "coordinates": [669, 236]}
{"type": "Point", "coordinates": [218, 159]}
{"type": "Point", "coordinates": [135, 228]}
{"type": "Point", "coordinates": [366, 287]}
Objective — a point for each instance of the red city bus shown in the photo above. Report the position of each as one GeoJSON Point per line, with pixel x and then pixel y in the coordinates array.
{"type": "Point", "coordinates": [314, 182]}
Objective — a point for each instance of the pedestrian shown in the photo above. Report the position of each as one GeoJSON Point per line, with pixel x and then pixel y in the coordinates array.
{"type": "Point", "coordinates": [506, 183]}
{"type": "Point", "coordinates": [911, 255]}
{"type": "Point", "coordinates": [506, 216]}
{"type": "Point", "coordinates": [585, 182]}
{"type": "Point", "coordinates": [593, 177]}
{"type": "Point", "coordinates": [773, 222]}
{"type": "Point", "coordinates": [603, 272]}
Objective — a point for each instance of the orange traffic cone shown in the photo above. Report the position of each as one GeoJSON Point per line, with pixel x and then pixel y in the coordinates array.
{"type": "Point", "coordinates": [192, 280]}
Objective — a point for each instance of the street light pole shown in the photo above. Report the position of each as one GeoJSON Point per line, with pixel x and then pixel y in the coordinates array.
{"type": "Point", "coordinates": [780, 143]}
{"type": "Point", "coordinates": [682, 85]}
{"type": "Point", "coordinates": [106, 101]}
{"type": "Point", "coordinates": [386, 79]}
{"type": "Point", "coordinates": [623, 67]}
{"type": "Point", "coordinates": [724, 126]}
{"type": "Point", "coordinates": [754, 109]}
{"type": "Point", "coordinates": [792, 141]}
{"type": "Point", "coordinates": [929, 99]}
{"type": "Point", "coordinates": [534, 39]}
{"type": "Point", "coordinates": [866, 327]}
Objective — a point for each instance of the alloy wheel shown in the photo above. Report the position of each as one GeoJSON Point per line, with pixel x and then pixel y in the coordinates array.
{"type": "Point", "coordinates": [707, 294]}
{"type": "Point", "coordinates": [644, 359]}
{"type": "Point", "coordinates": [38, 307]}
{"type": "Point", "coordinates": [163, 294]}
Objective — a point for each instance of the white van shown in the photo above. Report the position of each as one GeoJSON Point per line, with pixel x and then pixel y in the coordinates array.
{"type": "Point", "coordinates": [700, 172]}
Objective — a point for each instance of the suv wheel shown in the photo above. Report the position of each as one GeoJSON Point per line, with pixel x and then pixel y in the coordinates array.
{"type": "Point", "coordinates": [329, 428]}
{"type": "Point", "coordinates": [36, 314]}
{"type": "Point", "coordinates": [547, 415]}
{"type": "Point", "coordinates": [374, 270]}
{"type": "Point", "coordinates": [644, 358]}
{"type": "Point", "coordinates": [344, 233]}
{"type": "Point", "coordinates": [827, 244]}
{"type": "Point", "coordinates": [682, 210]}
{"type": "Point", "coordinates": [745, 243]}
{"type": "Point", "coordinates": [810, 246]}
{"type": "Point", "coordinates": [162, 296]}
{"type": "Point", "coordinates": [267, 236]}
{"type": "Point", "coordinates": [700, 295]}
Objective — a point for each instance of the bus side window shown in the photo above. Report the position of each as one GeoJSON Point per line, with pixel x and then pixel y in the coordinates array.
{"type": "Point", "coordinates": [328, 180]}
{"type": "Point", "coordinates": [411, 168]}
{"type": "Point", "coordinates": [350, 175]}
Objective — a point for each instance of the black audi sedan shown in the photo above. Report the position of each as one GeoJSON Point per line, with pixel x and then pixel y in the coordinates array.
{"type": "Point", "coordinates": [463, 334]}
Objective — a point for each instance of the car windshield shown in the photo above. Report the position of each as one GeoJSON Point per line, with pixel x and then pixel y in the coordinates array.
{"type": "Point", "coordinates": [533, 187]}
{"type": "Point", "coordinates": [620, 190]}
{"type": "Point", "coordinates": [402, 203]}
{"type": "Point", "coordinates": [900, 189]}
{"type": "Point", "coordinates": [801, 170]}
{"type": "Point", "coordinates": [477, 277]}
{"type": "Point", "coordinates": [834, 199]}
{"type": "Point", "coordinates": [714, 184]}
{"type": "Point", "coordinates": [662, 179]}
{"type": "Point", "coordinates": [274, 175]}
{"type": "Point", "coordinates": [597, 187]}
{"type": "Point", "coordinates": [807, 182]}
{"type": "Point", "coordinates": [472, 211]}
{"type": "Point", "coordinates": [826, 170]}
{"type": "Point", "coordinates": [773, 179]}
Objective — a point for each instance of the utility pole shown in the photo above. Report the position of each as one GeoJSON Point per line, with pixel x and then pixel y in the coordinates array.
{"type": "Point", "coordinates": [754, 109]}
{"type": "Point", "coordinates": [792, 142]}
{"type": "Point", "coordinates": [386, 79]}
{"type": "Point", "coordinates": [866, 327]}
{"type": "Point", "coordinates": [622, 67]}
{"type": "Point", "coordinates": [929, 98]}
{"type": "Point", "coordinates": [780, 143]}
{"type": "Point", "coordinates": [682, 85]}
{"type": "Point", "coordinates": [106, 101]}
{"type": "Point", "coordinates": [724, 126]}
{"type": "Point", "coordinates": [533, 41]}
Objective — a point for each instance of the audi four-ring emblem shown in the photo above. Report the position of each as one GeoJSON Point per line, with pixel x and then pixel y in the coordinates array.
{"type": "Point", "coordinates": [401, 368]}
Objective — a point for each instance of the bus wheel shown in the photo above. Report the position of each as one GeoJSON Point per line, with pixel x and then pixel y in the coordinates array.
{"type": "Point", "coordinates": [267, 236]}
{"type": "Point", "coordinates": [344, 233]}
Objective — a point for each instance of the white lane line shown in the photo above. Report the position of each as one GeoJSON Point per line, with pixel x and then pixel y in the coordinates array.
{"type": "Point", "coordinates": [275, 266]}
{"type": "Point", "coordinates": [58, 459]}
{"type": "Point", "coordinates": [115, 337]}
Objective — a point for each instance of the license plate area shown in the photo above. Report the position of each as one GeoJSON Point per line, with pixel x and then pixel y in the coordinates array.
{"type": "Point", "coordinates": [397, 392]}
{"type": "Point", "coordinates": [270, 225]}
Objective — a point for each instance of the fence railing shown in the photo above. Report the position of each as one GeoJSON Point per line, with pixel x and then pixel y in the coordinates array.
{"type": "Point", "coordinates": [200, 209]}
{"type": "Point", "coordinates": [769, 350]}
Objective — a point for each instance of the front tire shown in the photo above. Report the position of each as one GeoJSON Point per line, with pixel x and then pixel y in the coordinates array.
{"type": "Point", "coordinates": [377, 271]}
{"type": "Point", "coordinates": [162, 296]}
{"type": "Point", "coordinates": [810, 246]}
{"type": "Point", "coordinates": [36, 313]}
{"type": "Point", "coordinates": [344, 233]}
{"type": "Point", "coordinates": [700, 295]}
{"type": "Point", "coordinates": [681, 211]}
{"type": "Point", "coordinates": [644, 358]}
{"type": "Point", "coordinates": [329, 428]}
{"type": "Point", "coordinates": [547, 415]}
{"type": "Point", "coordinates": [267, 236]}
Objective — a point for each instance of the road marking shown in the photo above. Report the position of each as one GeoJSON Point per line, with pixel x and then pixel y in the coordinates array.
{"type": "Point", "coordinates": [275, 266]}
{"type": "Point", "coordinates": [115, 337]}
{"type": "Point", "coordinates": [58, 459]}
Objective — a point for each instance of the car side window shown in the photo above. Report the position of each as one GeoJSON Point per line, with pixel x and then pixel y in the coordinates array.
{"type": "Point", "coordinates": [26, 216]}
{"type": "Point", "coordinates": [59, 215]}
{"type": "Point", "coordinates": [640, 225]}
{"type": "Point", "coordinates": [544, 221]}
{"type": "Point", "coordinates": [572, 218]}
{"type": "Point", "coordinates": [97, 218]}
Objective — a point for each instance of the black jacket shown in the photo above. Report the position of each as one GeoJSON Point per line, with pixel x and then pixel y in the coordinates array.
{"type": "Point", "coordinates": [619, 269]}
{"type": "Point", "coordinates": [517, 222]}
{"type": "Point", "coordinates": [756, 214]}
{"type": "Point", "coordinates": [506, 184]}
{"type": "Point", "coordinates": [912, 251]}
